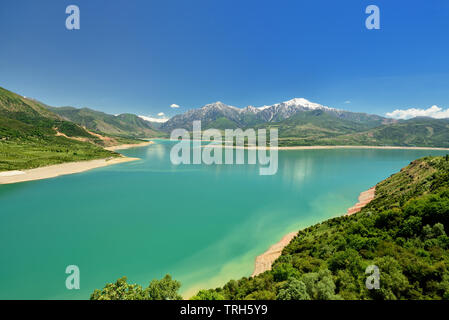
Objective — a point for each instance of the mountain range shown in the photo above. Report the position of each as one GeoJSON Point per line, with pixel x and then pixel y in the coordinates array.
{"type": "Point", "coordinates": [124, 125]}
{"type": "Point", "coordinates": [34, 134]}
{"type": "Point", "coordinates": [216, 114]}
{"type": "Point", "coordinates": [301, 122]}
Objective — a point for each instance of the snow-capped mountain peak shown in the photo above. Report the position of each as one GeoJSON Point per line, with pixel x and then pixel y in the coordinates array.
{"type": "Point", "coordinates": [242, 116]}
{"type": "Point", "coordinates": [304, 103]}
{"type": "Point", "coordinates": [218, 105]}
{"type": "Point", "coordinates": [297, 101]}
{"type": "Point", "coordinates": [252, 109]}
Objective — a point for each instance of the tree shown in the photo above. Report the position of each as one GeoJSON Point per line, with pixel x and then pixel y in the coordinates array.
{"type": "Point", "coordinates": [164, 289]}
{"type": "Point", "coordinates": [283, 271]}
{"type": "Point", "coordinates": [438, 230]}
{"type": "Point", "coordinates": [393, 283]}
{"type": "Point", "coordinates": [443, 286]}
{"type": "Point", "coordinates": [208, 295]}
{"type": "Point", "coordinates": [320, 285]}
{"type": "Point", "coordinates": [349, 260]}
{"type": "Point", "coordinates": [293, 290]}
{"type": "Point", "coordinates": [261, 295]}
{"type": "Point", "coordinates": [411, 227]}
{"type": "Point", "coordinates": [427, 232]}
{"type": "Point", "coordinates": [120, 290]}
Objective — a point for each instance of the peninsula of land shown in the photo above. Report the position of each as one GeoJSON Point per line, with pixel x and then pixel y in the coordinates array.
{"type": "Point", "coordinates": [16, 176]}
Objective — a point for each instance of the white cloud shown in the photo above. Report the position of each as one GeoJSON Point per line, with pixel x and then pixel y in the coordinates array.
{"type": "Point", "coordinates": [347, 101]}
{"type": "Point", "coordinates": [433, 112]}
{"type": "Point", "coordinates": [174, 105]}
{"type": "Point", "coordinates": [161, 114]}
{"type": "Point", "coordinates": [151, 119]}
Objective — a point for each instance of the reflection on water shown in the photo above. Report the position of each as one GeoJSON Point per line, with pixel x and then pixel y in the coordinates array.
{"type": "Point", "coordinates": [156, 152]}
{"type": "Point", "coordinates": [295, 171]}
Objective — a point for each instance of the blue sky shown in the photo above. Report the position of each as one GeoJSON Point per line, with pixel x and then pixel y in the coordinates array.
{"type": "Point", "coordinates": [141, 56]}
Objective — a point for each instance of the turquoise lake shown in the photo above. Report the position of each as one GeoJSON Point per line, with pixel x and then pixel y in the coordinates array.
{"type": "Point", "coordinates": [202, 224]}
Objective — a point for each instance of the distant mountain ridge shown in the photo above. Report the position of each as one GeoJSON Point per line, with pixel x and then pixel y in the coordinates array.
{"type": "Point", "coordinates": [32, 136]}
{"type": "Point", "coordinates": [125, 125]}
{"type": "Point", "coordinates": [219, 114]}
{"type": "Point", "coordinates": [301, 122]}
{"type": "Point", "coordinates": [415, 132]}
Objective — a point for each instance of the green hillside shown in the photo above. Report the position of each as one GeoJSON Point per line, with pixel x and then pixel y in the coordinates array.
{"type": "Point", "coordinates": [417, 132]}
{"type": "Point", "coordinates": [32, 136]}
{"type": "Point", "coordinates": [402, 231]}
{"type": "Point", "coordinates": [314, 125]}
{"type": "Point", "coordinates": [420, 132]}
{"type": "Point", "coordinates": [124, 125]}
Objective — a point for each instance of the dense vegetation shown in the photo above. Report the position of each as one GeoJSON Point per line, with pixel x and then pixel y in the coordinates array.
{"type": "Point", "coordinates": [403, 231]}
{"type": "Point", "coordinates": [164, 289]}
{"type": "Point", "coordinates": [29, 136]}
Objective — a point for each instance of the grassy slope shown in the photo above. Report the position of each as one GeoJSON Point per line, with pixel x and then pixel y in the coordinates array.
{"type": "Point", "coordinates": [402, 231]}
{"type": "Point", "coordinates": [422, 132]}
{"type": "Point", "coordinates": [28, 136]}
{"type": "Point", "coordinates": [419, 132]}
{"type": "Point", "coordinates": [314, 125]}
{"type": "Point", "coordinates": [123, 125]}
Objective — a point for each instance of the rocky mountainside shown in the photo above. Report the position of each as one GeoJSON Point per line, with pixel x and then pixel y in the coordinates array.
{"type": "Point", "coordinates": [219, 115]}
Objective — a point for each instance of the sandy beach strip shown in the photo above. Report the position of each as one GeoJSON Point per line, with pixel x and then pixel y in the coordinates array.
{"type": "Point", "coordinates": [16, 176]}
{"type": "Point", "coordinates": [52, 171]}
{"type": "Point", "coordinates": [364, 198]}
{"type": "Point", "coordinates": [326, 147]}
{"type": "Point", "coordinates": [360, 147]}
{"type": "Point", "coordinates": [265, 260]}
{"type": "Point", "coordinates": [129, 146]}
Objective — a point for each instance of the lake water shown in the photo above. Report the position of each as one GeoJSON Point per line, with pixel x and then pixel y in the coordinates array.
{"type": "Point", "coordinates": [202, 224]}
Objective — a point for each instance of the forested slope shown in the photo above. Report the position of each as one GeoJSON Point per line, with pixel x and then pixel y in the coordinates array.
{"type": "Point", "coordinates": [402, 231]}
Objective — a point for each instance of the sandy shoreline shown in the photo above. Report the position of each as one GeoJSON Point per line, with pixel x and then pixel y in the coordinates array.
{"type": "Point", "coordinates": [360, 147]}
{"type": "Point", "coordinates": [364, 198]}
{"type": "Point", "coordinates": [16, 176]}
{"type": "Point", "coordinates": [59, 170]}
{"type": "Point", "coordinates": [265, 260]}
{"type": "Point", "coordinates": [330, 147]}
{"type": "Point", "coordinates": [215, 145]}
{"type": "Point", "coordinates": [128, 146]}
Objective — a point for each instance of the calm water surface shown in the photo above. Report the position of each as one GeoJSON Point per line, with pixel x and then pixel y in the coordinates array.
{"type": "Point", "coordinates": [202, 224]}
